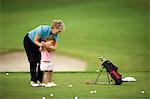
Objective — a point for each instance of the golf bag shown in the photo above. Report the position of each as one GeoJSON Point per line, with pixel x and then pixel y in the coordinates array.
{"type": "Point", "coordinates": [113, 71]}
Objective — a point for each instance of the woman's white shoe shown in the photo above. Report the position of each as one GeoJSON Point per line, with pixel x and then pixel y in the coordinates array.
{"type": "Point", "coordinates": [33, 84]}
{"type": "Point", "coordinates": [41, 84]}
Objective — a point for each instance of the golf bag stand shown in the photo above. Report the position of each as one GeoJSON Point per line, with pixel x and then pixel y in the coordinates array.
{"type": "Point", "coordinates": [100, 72]}
{"type": "Point", "coordinates": [112, 71]}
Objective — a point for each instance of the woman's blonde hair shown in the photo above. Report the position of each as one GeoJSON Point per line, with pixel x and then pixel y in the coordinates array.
{"type": "Point", "coordinates": [58, 24]}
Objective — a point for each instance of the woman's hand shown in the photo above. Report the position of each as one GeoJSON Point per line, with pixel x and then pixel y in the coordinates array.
{"type": "Point", "coordinates": [36, 40]}
{"type": "Point", "coordinates": [41, 46]}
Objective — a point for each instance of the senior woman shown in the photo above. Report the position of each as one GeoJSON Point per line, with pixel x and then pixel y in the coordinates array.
{"type": "Point", "coordinates": [32, 42]}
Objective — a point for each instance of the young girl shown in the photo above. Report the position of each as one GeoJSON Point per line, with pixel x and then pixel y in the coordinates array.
{"type": "Point", "coordinates": [46, 63]}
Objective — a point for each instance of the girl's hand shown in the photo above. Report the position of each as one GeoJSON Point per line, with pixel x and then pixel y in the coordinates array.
{"type": "Point", "coordinates": [51, 48]}
{"type": "Point", "coordinates": [42, 44]}
{"type": "Point", "coordinates": [40, 49]}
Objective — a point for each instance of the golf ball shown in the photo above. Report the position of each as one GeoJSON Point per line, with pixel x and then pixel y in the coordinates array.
{"type": "Point", "coordinates": [75, 97]}
{"type": "Point", "coordinates": [91, 92]}
{"type": "Point", "coordinates": [43, 97]}
{"type": "Point", "coordinates": [70, 85]}
{"type": "Point", "coordinates": [51, 95]}
{"type": "Point", "coordinates": [7, 74]}
{"type": "Point", "coordinates": [142, 91]}
{"type": "Point", "coordinates": [97, 70]}
{"type": "Point", "coordinates": [94, 91]}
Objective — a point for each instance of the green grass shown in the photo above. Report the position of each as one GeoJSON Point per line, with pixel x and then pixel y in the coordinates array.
{"type": "Point", "coordinates": [16, 86]}
{"type": "Point", "coordinates": [116, 29]}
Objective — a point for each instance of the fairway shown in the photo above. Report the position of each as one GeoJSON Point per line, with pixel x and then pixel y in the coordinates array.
{"type": "Point", "coordinates": [115, 29]}
{"type": "Point", "coordinates": [16, 86]}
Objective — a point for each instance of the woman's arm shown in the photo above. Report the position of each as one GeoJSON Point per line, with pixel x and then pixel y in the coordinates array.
{"type": "Point", "coordinates": [36, 40]}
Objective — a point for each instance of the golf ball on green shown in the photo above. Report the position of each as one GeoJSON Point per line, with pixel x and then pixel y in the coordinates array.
{"type": "Point", "coordinates": [43, 97]}
{"type": "Point", "coordinates": [94, 91]}
{"type": "Point", "coordinates": [142, 91]}
{"type": "Point", "coordinates": [7, 74]}
{"type": "Point", "coordinates": [97, 70]}
{"type": "Point", "coordinates": [70, 85]}
{"type": "Point", "coordinates": [51, 95]}
{"type": "Point", "coordinates": [75, 97]}
{"type": "Point", "coordinates": [91, 92]}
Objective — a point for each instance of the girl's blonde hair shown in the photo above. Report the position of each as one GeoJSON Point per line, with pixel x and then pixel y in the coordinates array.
{"type": "Point", "coordinates": [58, 24]}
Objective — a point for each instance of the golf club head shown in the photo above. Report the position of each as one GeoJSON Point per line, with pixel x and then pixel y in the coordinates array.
{"type": "Point", "coordinates": [102, 59]}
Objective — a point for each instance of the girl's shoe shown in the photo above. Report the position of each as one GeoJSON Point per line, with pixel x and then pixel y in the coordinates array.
{"type": "Point", "coordinates": [48, 85]}
{"type": "Point", "coordinates": [53, 84]}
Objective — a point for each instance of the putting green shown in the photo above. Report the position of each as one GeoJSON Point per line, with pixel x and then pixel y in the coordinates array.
{"type": "Point", "coordinates": [16, 86]}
